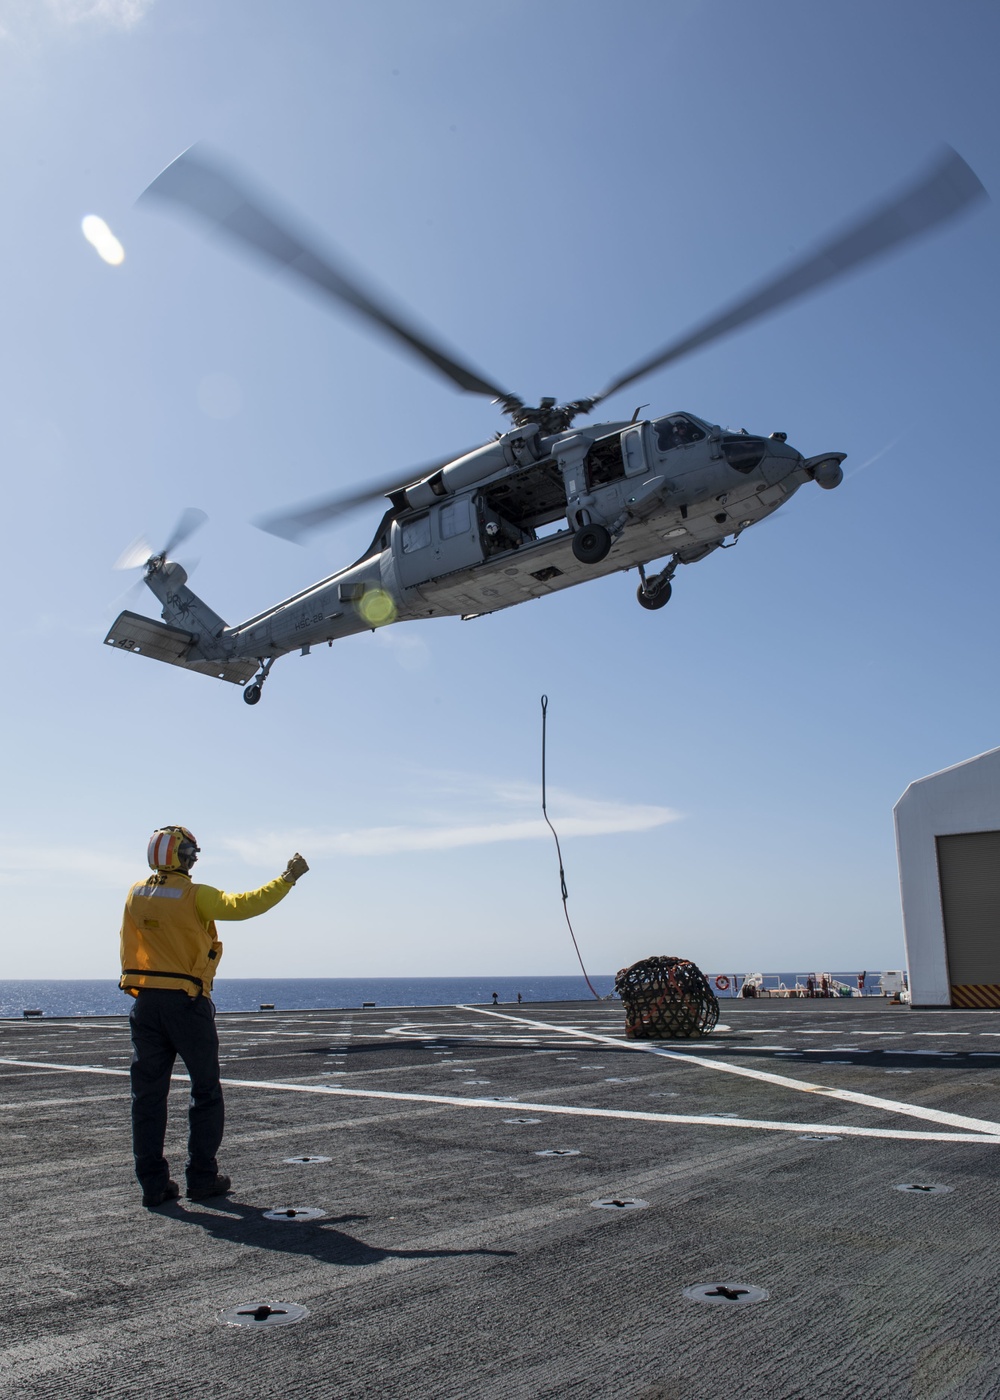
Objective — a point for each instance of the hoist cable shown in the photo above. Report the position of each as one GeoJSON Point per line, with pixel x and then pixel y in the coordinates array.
{"type": "Point", "coordinates": [562, 872]}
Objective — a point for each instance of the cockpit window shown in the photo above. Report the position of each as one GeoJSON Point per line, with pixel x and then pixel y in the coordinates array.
{"type": "Point", "coordinates": [744, 453]}
{"type": "Point", "coordinates": [676, 431]}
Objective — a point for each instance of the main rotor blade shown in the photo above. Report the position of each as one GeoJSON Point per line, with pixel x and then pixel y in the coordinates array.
{"type": "Point", "coordinates": [312, 515]}
{"type": "Point", "coordinates": [220, 198]}
{"type": "Point", "coordinates": [948, 187]}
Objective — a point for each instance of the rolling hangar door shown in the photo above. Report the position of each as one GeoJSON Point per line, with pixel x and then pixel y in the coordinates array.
{"type": "Point", "coordinates": [948, 846]}
{"type": "Point", "coordinates": [969, 875]}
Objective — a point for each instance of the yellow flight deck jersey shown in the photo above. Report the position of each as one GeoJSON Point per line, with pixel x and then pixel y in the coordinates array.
{"type": "Point", "coordinates": [168, 930]}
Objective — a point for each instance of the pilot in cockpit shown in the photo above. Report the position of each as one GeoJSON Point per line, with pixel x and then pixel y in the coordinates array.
{"type": "Point", "coordinates": [675, 432]}
{"type": "Point", "coordinates": [684, 432]}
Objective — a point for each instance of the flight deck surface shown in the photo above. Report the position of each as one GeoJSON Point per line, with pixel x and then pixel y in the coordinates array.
{"type": "Point", "coordinates": [512, 1202]}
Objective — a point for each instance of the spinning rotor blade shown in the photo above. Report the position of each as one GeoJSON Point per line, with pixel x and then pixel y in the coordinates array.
{"type": "Point", "coordinates": [135, 555]}
{"type": "Point", "coordinates": [140, 551]}
{"type": "Point", "coordinates": [949, 186]}
{"type": "Point", "coordinates": [128, 599]}
{"type": "Point", "coordinates": [190, 520]}
{"type": "Point", "coordinates": [311, 515]}
{"type": "Point", "coordinates": [211, 191]}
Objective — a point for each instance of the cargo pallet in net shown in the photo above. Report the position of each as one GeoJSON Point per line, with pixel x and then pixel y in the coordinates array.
{"type": "Point", "coordinates": [666, 999]}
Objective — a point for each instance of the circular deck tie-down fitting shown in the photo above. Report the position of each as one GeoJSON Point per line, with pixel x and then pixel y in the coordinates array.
{"type": "Point", "coordinates": [726, 1295]}
{"type": "Point", "coordinates": [293, 1214]}
{"type": "Point", "coordinates": [924, 1188]}
{"type": "Point", "coordinates": [666, 999]}
{"type": "Point", "coordinates": [256, 1315]}
{"type": "Point", "coordinates": [619, 1203]}
{"type": "Point", "coordinates": [302, 1161]}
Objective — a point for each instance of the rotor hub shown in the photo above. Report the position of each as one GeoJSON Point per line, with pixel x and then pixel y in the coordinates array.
{"type": "Point", "coordinates": [551, 417]}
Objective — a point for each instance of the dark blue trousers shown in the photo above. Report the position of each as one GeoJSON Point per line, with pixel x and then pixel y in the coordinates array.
{"type": "Point", "coordinates": [166, 1024]}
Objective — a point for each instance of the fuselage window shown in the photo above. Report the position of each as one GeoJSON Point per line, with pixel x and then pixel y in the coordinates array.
{"type": "Point", "coordinates": [676, 431]}
{"type": "Point", "coordinates": [416, 534]}
{"type": "Point", "coordinates": [454, 519]}
{"type": "Point", "coordinates": [744, 453]}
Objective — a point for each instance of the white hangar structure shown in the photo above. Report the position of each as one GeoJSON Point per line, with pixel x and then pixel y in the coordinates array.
{"type": "Point", "coordinates": [948, 846]}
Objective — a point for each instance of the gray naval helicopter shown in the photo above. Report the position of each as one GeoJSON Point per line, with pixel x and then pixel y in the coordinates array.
{"type": "Point", "coordinates": [546, 504]}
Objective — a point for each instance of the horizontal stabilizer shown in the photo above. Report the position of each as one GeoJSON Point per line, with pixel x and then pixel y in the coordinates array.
{"type": "Point", "coordinates": [148, 637]}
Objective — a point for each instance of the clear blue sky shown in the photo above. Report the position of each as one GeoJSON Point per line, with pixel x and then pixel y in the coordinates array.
{"type": "Point", "coordinates": [557, 187]}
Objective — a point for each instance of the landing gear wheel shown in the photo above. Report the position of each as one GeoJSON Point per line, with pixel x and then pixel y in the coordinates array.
{"type": "Point", "coordinates": [656, 597]}
{"type": "Point", "coordinates": [251, 694]}
{"type": "Point", "coordinates": [591, 544]}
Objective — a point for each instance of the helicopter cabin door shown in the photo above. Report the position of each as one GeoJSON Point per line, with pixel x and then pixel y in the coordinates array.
{"type": "Point", "coordinates": [438, 541]}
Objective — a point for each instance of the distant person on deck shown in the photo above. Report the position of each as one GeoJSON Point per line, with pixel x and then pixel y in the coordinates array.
{"type": "Point", "coordinates": [496, 999]}
{"type": "Point", "coordinates": [170, 955]}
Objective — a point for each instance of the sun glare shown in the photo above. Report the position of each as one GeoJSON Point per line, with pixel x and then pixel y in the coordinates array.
{"type": "Point", "coordinates": [377, 608]}
{"type": "Point", "coordinates": [100, 237]}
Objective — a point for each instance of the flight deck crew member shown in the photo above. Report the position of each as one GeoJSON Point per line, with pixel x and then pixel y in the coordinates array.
{"type": "Point", "coordinates": [170, 955]}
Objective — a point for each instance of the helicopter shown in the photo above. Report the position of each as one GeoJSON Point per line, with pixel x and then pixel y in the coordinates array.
{"type": "Point", "coordinates": [543, 506]}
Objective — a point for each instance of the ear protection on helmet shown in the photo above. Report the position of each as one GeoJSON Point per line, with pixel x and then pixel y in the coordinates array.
{"type": "Point", "coordinates": [163, 851]}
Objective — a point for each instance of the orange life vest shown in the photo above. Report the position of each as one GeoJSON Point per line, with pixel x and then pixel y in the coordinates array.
{"type": "Point", "coordinates": [164, 943]}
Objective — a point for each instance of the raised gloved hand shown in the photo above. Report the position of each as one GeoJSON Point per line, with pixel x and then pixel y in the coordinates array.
{"type": "Point", "coordinates": [296, 867]}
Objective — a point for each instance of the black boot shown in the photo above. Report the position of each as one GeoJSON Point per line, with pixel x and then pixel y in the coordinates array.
{"type": "Point", "coordinates": [218, 1187]}
{"type": "Point", "coordinates": [161, 1195]}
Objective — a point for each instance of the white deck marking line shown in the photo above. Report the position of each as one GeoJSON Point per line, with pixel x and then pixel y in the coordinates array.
{"type": "Point", "coordinates": [930, 1115]}
{"type": "Point", "coordinates": [62, 1103]}
{"type": "Point", "coordinates": [79, 1069]}
{"type": "Point", "coordinates": [566, 1110]}
{"type": "Point", "coordinates": [636, 1115]}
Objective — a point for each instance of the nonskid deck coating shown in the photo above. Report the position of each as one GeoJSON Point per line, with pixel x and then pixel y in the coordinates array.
{"type": "Point", "coordinates": [455, 1261]}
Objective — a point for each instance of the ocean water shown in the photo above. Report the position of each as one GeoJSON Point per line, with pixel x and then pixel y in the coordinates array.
{"type": "Point", "coordinates": [102, 998]}
{"type": "Point", "coordinates": [302, 993]}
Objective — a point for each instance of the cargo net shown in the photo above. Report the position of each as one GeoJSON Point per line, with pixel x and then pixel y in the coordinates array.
{"type": "Point", "coordinates": [666, 999]}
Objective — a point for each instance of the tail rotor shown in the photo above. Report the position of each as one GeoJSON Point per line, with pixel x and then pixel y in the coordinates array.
{"type": "Point", "coordinates": [141, 555]}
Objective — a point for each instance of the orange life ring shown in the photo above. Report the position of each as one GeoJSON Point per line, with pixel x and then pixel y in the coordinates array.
{"type": "Point", "coordinates": [722, 983]}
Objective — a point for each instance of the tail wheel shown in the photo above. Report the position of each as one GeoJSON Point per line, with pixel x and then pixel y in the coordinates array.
{"type": "Point", "coordinates": [591, 544]}
{"type": "Point", "coordinates": [654, 598]}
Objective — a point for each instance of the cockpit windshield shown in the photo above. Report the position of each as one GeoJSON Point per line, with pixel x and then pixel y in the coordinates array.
{"type": "Point", "coordinates": [743, 452]}
{"type": "Point", "coordinates": [676, 431]}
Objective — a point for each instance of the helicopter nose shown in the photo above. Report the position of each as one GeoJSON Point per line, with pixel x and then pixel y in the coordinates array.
{"type": "Point", "coordinates": [779, 462]}
{"type": "Point", "coordinates": [778, 446]}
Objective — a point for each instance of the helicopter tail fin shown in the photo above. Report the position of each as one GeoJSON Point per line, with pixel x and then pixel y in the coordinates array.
{"type": "Point", "coordinates": [182, 608]}
{"type": "Point", "coordinates": [190, 635]}
{"type": "Point", "coordinates": [145, 636]}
